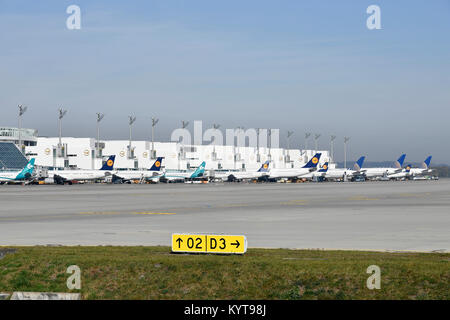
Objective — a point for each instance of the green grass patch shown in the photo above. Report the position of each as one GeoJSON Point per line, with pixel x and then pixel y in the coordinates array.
{"type": "Point", "coordinates": [155, 273]}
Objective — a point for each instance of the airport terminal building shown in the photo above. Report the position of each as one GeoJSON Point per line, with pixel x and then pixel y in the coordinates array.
{"type": "Point", "coordinates": [84, 153]}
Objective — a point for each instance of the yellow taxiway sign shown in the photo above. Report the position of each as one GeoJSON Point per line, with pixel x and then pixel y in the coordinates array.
{"type": "Point", "coordinates": [202, 243]}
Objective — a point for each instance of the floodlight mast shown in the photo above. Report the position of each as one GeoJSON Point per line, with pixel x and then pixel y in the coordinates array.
{"type": "Point", "coordinates": [346, 139]}
{"type": "Point", "coordinates": [61, 114]}
{"type": "Point", "coordinates": [131, 120]}
{"type": "Point", "coordinates": [316, 137]}
{"type": "Point", "coordinates": [289, 134]}
{"type": "Point", "coordinates": [184, 124]}
{"type": "Point", "coordinates": [100, 116]}
{"type": "Point", "coordinates": [154, 122]}
{"type": "Point", "coordinates": [332, 138]}
{"type": "Point", "coordinates": [258, 156]}
{"type": "Point", "coordinates": [215, 127]}
{"type": "Point", "coordinates": [22, 110]}
{"type": "Point", "coordinates": [307, 135]}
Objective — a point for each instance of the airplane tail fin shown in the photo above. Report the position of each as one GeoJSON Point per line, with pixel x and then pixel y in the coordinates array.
{"type": "Point", "coordinates": [109, 164]}
{"type": "Point", "coordinates": [399, 163]}
{"type": "Point", "coordinates": [426, 163]}
{"type": "Point", "coordinates": [408, 168]}
{"type": "Point", "coordinates": [313, 162]}
{"type": "Point", "coordinates": [324, 167]}
{"type": "Point", "coordinates": [359, 164]}
{"type": "Point", "coordinates": [199, 171]}
{"type": "Point", "coordinates": [27, 171]}
{"type": "Point", "coordinates": [157, 165]}
{"type": "Point", "coordinates": [264, 167]}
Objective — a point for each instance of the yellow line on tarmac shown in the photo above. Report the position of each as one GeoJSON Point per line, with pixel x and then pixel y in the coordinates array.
{"type": "Point", "coordinates": [99, 212]}
{"type": "Point", "coordinates": [359, 198]}
{"type": "Point", "coordinates": [153, 213]}
{"type": "Point", "coordinates": [294, 203]}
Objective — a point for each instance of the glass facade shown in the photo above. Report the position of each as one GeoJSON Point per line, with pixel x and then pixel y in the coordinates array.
{"type": "Point", "coordinates": [10, 157]}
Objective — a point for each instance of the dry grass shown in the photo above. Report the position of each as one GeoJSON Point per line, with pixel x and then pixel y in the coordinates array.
{"type": "Point", "coordinates": [155, 273]}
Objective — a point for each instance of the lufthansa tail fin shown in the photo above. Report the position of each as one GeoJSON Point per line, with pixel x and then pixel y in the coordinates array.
{"type": "Point", "coordinates": [264, 167]}
{"type": "Point", "coordinates": [157, 165]}
{"type": "Point", "coordinates": [399, 163]}
{"type": "Point", "coordinates": [324, 167]}
{"type": "Point", "coordinates": [109, 164]}
{"type": "Point", "coordinates": [313, 162]}
{"type": "Point", "coordinates": [359, 164]}
{"type": "Point", "coordinates": [426, 163]}
{"type": "Point", "coordinates": [408, 168]}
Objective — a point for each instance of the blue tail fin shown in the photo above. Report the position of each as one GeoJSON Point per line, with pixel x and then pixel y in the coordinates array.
{"type": "Point", "coordinates": [109, 164]}
{"type": "Point", "coordinates": [426, 163]}
{"type": "Point", "coordinates": [399, 163]}
{"type": "Point", "coordinates": [408, 168]}
{"type": "Point", "coordinates": [200, 170]}
{"type": "Point", "coordinates": [324, 167]}
{"type": "Point", "coordinates": [264, 167]}
{"type": "Point", "coordinates": [157, 165]}
{"type": "Point", "coordinates": [359, 164]}
{"type": "Point", "coordinates": [27, 171]}
{"type": "Point", "coordinates": [313, 162]}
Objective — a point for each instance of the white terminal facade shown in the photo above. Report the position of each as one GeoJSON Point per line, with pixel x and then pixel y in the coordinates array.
{"type": "Point", "coordinates": [82, 153]}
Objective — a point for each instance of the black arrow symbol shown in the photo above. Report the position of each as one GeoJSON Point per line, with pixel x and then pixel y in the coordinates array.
{"type": "Point", "coordinates": [236, 244]}
{"type": "Point", "coordinates": [179, 240]}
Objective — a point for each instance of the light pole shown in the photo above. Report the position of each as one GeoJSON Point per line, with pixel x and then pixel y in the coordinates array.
{"type": "Point", "coordinates": [154, 122]}
{"type": "Point", "coordinates": [258, 157]}
{"type": "Point", "coordinates": [345, 151]}
{"type": "Point", "coordinates": [99, 118]}
{"type": "Point", "coordinates": [22, 110]}
{"type": "Point", "coordinates": [184, 124]}
{"type": "Point", "coordinates": [216, 127]}
{"type": "Point", "coordinates": [236, 145]}
{"type": "Point", "coordinates": [131, 120]}
{"type": "Point", "coordinates": [61, 115]}
{"type": "Point", "coordinates": [332, 147]}
{"type": "Point", "coordinates": [307, 135]}
{"type": "Point", "coordinates": [316, 137]}
{"type": "Point", "coordinates": [289, 134]}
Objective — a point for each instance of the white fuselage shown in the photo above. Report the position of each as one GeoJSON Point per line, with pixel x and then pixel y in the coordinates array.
{"type": "Point", "coordinates": [79, 175]}
{"type": "Point", "coordinates": [289, 173]}
{"type": "Point", "coordinates": [379, 172]}
{"type": "Point", "coordinates": [7, 176]}
{"type": "Point", "coordinates": [340, 173]}
{"type": "Point", "coordinates": [240, 175]}
{"type": "Point", "coordinates": [138, 174]}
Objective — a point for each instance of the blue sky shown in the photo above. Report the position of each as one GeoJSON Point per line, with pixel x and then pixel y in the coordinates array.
{"type": "Point", "coordinates": [294, 65]}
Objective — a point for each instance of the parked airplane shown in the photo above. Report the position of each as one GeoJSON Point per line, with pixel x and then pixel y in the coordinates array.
{"type": "Point", "coordinates": [153, 174]}
{"type": "Point", "coordinates": [409, 171]}
{"type": "Point", "coordinates": [18, 176]}
{"type": "Point", "coordinates": [316, 174]}
{"type": "Point", "coordinates": [380, 172]}
{"type": "Point", "coordinates": [340, 173]}
{"type": "Point", "coordinates": [182, 176]}
{"type": "Point", "coordinates": [63, 176]}
{"type": "Point", "coordinates": [296, 173]}
{"type": "Point", "coordinates": [244, 175]}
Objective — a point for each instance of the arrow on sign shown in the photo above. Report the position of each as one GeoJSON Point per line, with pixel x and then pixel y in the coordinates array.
{"type": "Point", "coordinates": [236, 244]}
{"type": "Point", "coordinates": [179, 240]}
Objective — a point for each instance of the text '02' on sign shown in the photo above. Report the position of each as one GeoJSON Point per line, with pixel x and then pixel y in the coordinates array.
{"type": "Point", "coordinates": [202, 243]}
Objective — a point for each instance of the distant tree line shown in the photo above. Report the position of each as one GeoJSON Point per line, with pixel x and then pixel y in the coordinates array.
{"type": "Point", "coordinates": [442, 171]}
